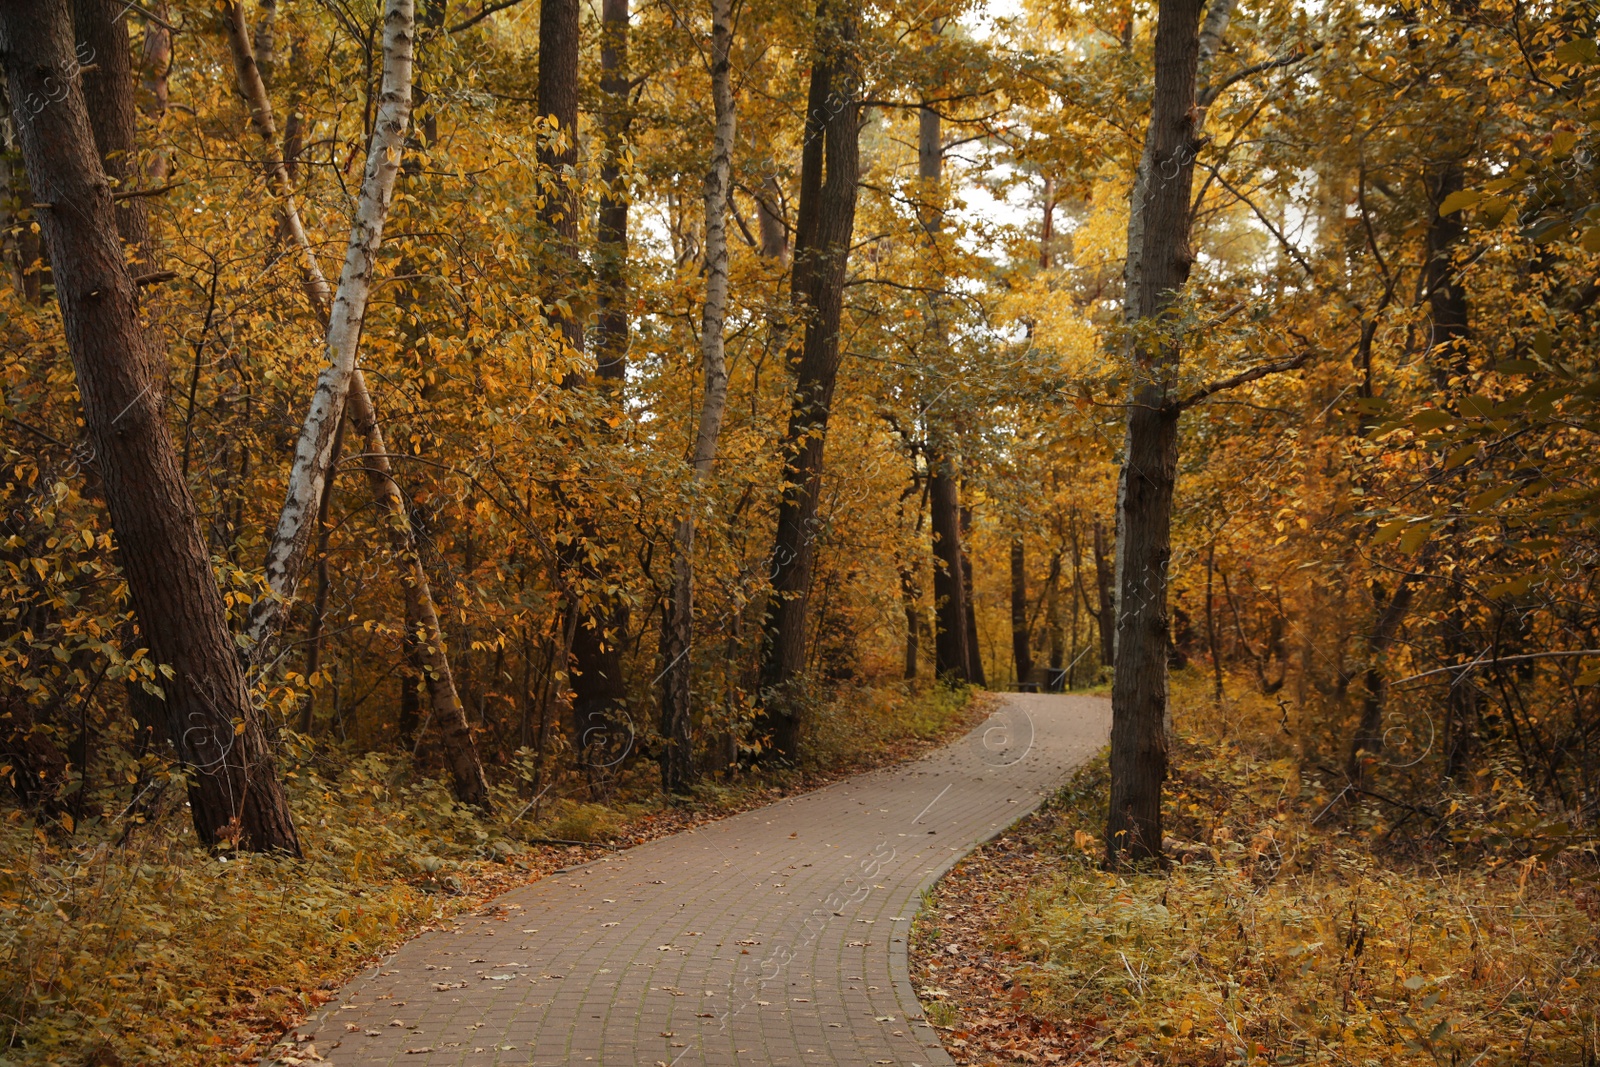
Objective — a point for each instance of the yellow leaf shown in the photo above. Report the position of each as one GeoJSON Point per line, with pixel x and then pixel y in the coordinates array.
{"type": "Point", "coordinates": [1414, 537]}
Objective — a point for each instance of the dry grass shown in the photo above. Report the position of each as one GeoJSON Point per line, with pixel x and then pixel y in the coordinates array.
{"type": "Point", "coordinates": [124, 946]}
{"type": "Point", "coordinates": [1278, 941]}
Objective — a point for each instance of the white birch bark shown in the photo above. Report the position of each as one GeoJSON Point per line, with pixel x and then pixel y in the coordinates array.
{"type": "Point", "coordinates": [1212, 32]}
{"type": "Point", "coordinates": [718, 185]}
{"type": "Point", "coordinates": [348, 304]}
{"type": "Point", "coordinates": [678, 637]}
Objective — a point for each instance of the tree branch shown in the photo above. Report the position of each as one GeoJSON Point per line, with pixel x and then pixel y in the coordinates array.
{"type": "Point", "coordinates": [488, 9]}
{"type": "Point", "coordinates": [1211, 92]}
{"type": "Point", "coordinates": [1253, 374]}
{"type": "Point", "coordinates": [1288, 246]}
{"type": "Point", "coordinates": [156, 191]}
{"type": "Point", "coordinates": [1471, 665]}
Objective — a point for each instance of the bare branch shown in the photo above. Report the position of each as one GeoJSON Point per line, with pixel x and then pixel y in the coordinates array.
{"type": "Point", "coordinates": [1251, 375]}
{"type": "Point", "coordinates": [1211, 92]}
{"type": "Point", "coordinates": [487, 10]}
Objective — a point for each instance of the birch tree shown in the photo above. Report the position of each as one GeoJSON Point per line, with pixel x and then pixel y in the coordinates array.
{"type": "Point", "coordinates": [677, 631]}
{"type": "Point", "coordinates": [342, 390]}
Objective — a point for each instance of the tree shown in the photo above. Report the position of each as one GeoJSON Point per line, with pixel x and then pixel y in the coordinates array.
{"type": "Point", "coordinates": [598, 684]}
{"type": "Point", "coordinates": [954, 642]}
{"type": "Point", "coordinates": [677, 627]}
{"type": "Point", "coordinates": [829, 174]}
{"type": "Point", "coordinates": [345, 312]}
{"type": "Point", "coordinates": [1021, 644]}
{"type": "Point", "coordinates": [1159, 259]}
{"type": "Point", "coordinates": [234, 792]}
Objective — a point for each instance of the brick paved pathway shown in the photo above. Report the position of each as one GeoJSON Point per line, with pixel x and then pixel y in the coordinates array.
{"type": "Point", "coordinates": [776, 937]}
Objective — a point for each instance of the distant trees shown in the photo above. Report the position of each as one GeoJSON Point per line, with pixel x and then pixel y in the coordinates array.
{"type": "Point", "coordinates": [551, 447]}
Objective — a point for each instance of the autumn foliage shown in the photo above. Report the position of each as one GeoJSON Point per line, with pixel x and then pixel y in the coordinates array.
{"type": "Point", "coordinates": [1379, 373]}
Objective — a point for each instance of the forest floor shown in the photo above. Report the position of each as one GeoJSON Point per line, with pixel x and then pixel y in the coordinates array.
{"type": "Point", "coordinates": [1275, 936]}
{"type": "Point", "coordinates": [127, 944]}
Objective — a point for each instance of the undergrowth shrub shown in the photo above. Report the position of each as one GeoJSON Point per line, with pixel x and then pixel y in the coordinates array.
{"type": "Point", "coordinates": [871, 721]}
{"type": "Point", "coordinates": [122, 942]}
{"type": "Point", "coordinates": [1282, 937]}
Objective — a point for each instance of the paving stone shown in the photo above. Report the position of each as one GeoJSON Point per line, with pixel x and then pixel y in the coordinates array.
{"type": "Point", "coordinates": [775, 937]}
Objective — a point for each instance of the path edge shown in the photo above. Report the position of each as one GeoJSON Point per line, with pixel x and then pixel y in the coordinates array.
{"type": "Point", "coordinates": [900, 958]}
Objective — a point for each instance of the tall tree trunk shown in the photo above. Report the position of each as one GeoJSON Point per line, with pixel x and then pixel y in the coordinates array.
{"type": "Point", "coordinates": [954, 641]}
{"type": "Point", "coordinates": [611, 233]}
{"type": "Point", "coordinates": [345, 308]}
{"type": "Point", "coordinates": [1080, 596]}
{"type": "Point", "coordinates": [1052, 610]}
{"type": "Point", "coordinates": [1105, 611]}
{"type": "Point", "coordinates": [107, 81]}
{"type": "Point", "coordinates": [910, 598]}
{"type": "Point", "coordinates": [265, 43]}
{"type": "Point", "coordinates": [1159, 258]}
{"type": "Point", "coordinates": [558, 102]}
{"type": "Point", "coordinates": [1448, 332]}
{"type": "Point", "coordinates": [319, 600]}
{"type": "Point", "coordinates": [974, 653]}
{"type": "Point", "coordinates": [598, 683]}
{"type": "Point", "coordinates": [1211, 623]}
{"type": "Point", "coordinates": [155, 63]}
{"type": "Point", "coordinates": [1020, 650]}
{"type": "Point", "coordinates": [342, 383]}
{"type": "Point", "coordinates": [678, 770]}
{"type": "Point", "coordinates": [234, 792]}
{"type": "Point", "coordinates": [952, 658]}
{"type": "Point", "coordinates": [829, 175]}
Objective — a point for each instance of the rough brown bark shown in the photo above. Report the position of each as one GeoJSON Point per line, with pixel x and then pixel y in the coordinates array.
{"type": "Point", "coordinates": [234, 792]}
{"type": "Point", "coordinates": [611, 233]}
{"type": "Point", "coordinates": [910, 596]}
{"type": "Point", "coordinates": [558, 102]}
{"type": "Point", "coordinates": [1021, 652]}
{"type": "Point", "coordinates": [107, 81]}
{"type": "Point", "coordinates": [1052, 622]}
{"type": "Point", "coordinates": [1105, 611]}
{"type": "Point", "coordinates": [1449, 331]}
{"type": "Point", "coordinates": [950, 652]}
{"type": "Point", "coordinates": [975, 672]}
{"type": "Point", "coordinates": [1159, 258]}
{"type": "Point", "coordinates": [1447, 297]}
{"type": "Point", "coordinates": [597, 679]}
{"type": "Point", "coordinates": [955, 641]}
{"type": "Point", "coordinates": [155, 62]}
{"type": "Point", "coordinates": [1211, 623]}
{"type": "Point", "coordinates": [829, 173]}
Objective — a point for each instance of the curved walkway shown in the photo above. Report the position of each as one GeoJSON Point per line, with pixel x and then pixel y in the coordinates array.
{"type": "Point", "coordinates": [775, 937]}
